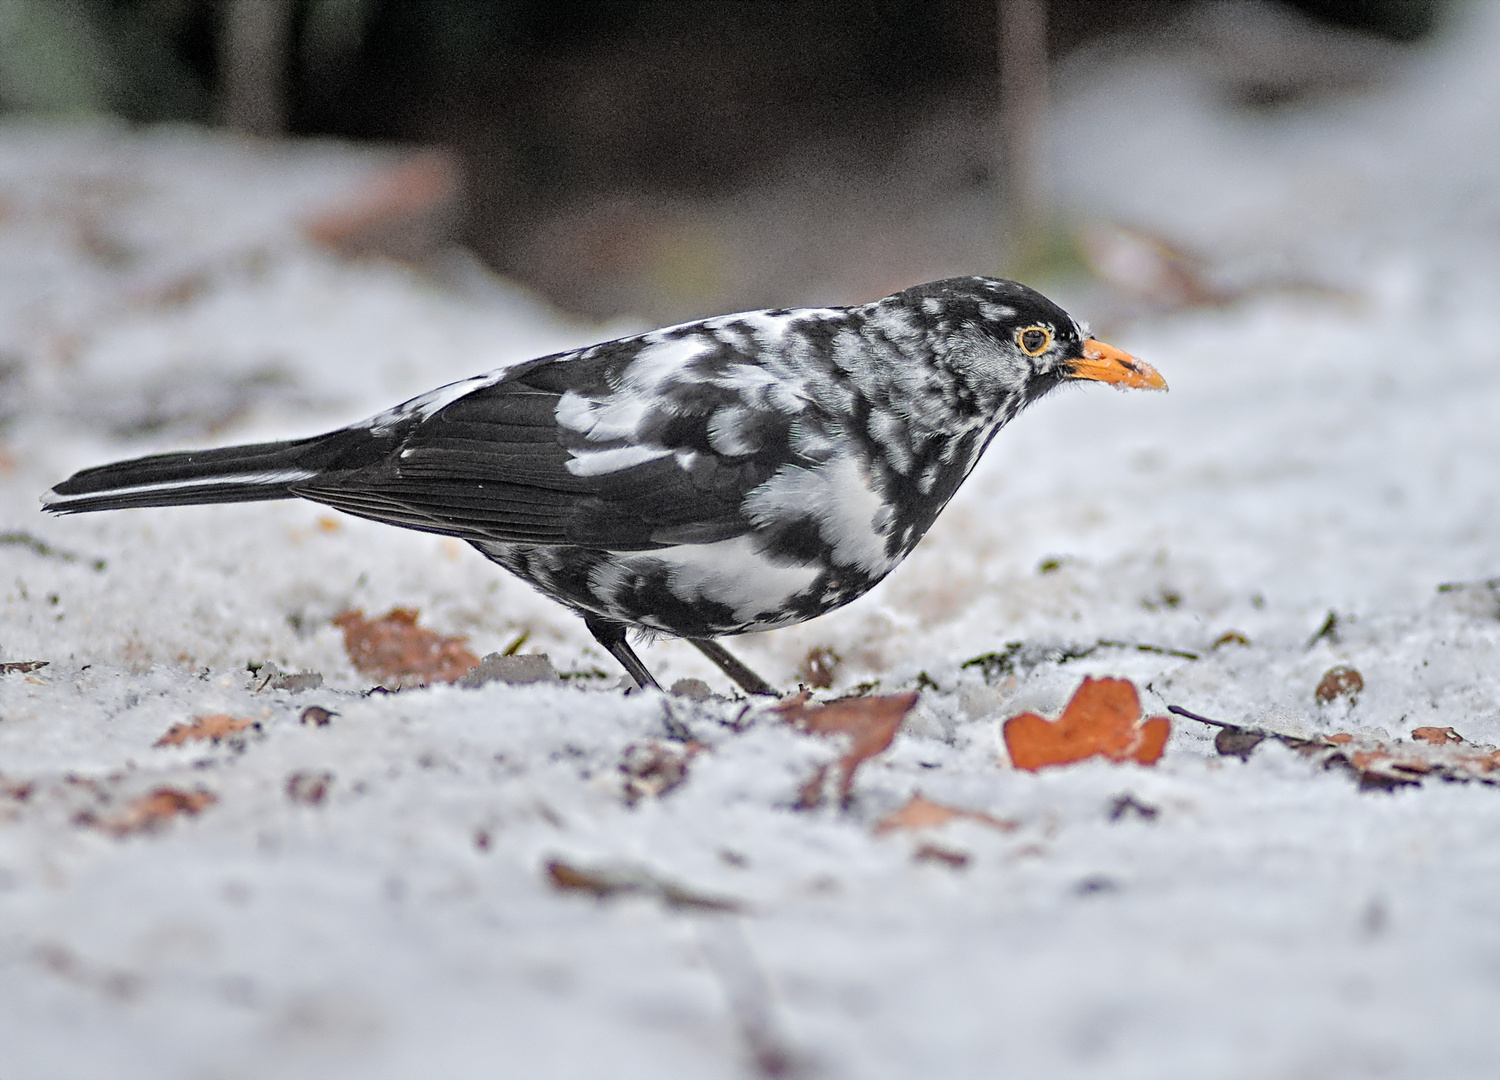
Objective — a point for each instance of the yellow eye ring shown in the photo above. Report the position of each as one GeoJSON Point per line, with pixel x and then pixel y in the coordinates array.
{"type": "Point", "coordinates": [1034, 340]}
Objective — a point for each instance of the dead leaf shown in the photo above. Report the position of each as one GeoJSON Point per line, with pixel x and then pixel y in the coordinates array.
{"type": "Point", "coordinates": [921, 812]}
{"type": "Point", "coordinates": [1337, 682]}
{"type": "Point", "coordinates": [1438, 736]}
{"type": "Point", "coordinates": [1375, 763]}
{"type": "Point", "coordinates": [652, 769]}
{"type": "Point", "coordinates": [151, 811]}
{"type": "Point", "coordinates": [215, 727]}
{"type": "Point", "coordinates": [870, 722]}
{"type": "Point", "coordinates": [394, 648]}
{"type": "Point", "coordinates": [606, 882]}
{"type": "Point", "coordinates": [1101, 720]}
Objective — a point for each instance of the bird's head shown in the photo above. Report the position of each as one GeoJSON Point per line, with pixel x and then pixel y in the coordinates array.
{"type": "Point", "coordinates": [1005, 345]}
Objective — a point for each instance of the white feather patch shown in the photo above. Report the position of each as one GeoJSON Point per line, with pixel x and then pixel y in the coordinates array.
{"type": "Point", "coordinates": [851, 516]}
{"type": "Point", "coordinates": [730, 572]}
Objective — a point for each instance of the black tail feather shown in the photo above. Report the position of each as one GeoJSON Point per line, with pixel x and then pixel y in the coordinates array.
{"type": "Point", "coordinates": [231, 474]}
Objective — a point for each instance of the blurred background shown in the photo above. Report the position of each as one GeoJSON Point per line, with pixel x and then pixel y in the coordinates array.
{"type": "Point", "coordinates": [665, 160]}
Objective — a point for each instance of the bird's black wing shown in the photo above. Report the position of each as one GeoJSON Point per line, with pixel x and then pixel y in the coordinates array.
{"type": "Point", "coordinates": [652, 453]}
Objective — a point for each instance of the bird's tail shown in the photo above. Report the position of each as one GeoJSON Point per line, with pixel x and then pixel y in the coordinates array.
{"type": "Point", "coordinates": [231, 474]}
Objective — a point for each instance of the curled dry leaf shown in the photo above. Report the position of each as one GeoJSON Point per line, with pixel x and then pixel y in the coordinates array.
{"type": "Point", "coordinates": [870, 722]}
{"type": "Point", "coordinates": [394, 648]}
{"type": "Point", "coordinates": [606, 882]}
{"type": "Point", "coordinates": [214, 727]}
{"type": "Point", "coordinates": [1337, 682]}
{"type": "Point", "coordinates": [921, 812]}
{"type": "Point", "coordinates": [1101, 720]}
{"type": "Point", "coordinates": [152, 811]}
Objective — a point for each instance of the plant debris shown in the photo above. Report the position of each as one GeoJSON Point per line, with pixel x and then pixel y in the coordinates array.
{"type": "Point", "coordinates": [308, 786]}
{"type": "Point", "coordinates": [944, 856]}
{"type": "Point", "coordinates": [38, 546]}
{"type": "Point", "coordinates": [22, 667]}
{"type": "Point", "coordinates": [1374, 762]}
{"type": "Point", "coordinates": [819, 667]}
{"type": "Point", "coordinates": [1020, 657]}
{"type": "Point", "coordinates": [652, 769]}
{"type": "Point", "coordinates": [1127, 805]}
{"type": "Point", "coordinates": [394, 648]}
{"type": "Point", "coordinates": [871, 722]}
{"type": "Point", "coordinates": [1101, 720]}
{"type": "Point", "coordinates": [1329, 631]}
{"type": "Point", "coordinates": [317, 716]}
{"type": "Point", "coordinates": [151, 812]}
{"type": "Point", "coordinates": [920, 812]}
{"type": "Point", "coordinates": [213, 727]}
{"type": "Point", "coordinates": [1337, 682]}
{"type": "Point", "coordinates": [606, 882]}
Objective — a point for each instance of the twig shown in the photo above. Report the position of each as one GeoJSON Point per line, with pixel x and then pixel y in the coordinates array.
{"type": "Point", "coordinates": [1180, 711]}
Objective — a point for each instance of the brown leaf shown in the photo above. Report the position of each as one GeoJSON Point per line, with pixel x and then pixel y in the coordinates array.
{"type": "Point", "coordinates": [606, 882]}
{"type": "Point", "coordinates": [655, 768]}
{"type": "Point", "coordinates": [921, 812]}
{"type": "Point", "coordinates": [1438, 736]}
{"type": "Point", "coordinates": [394, 648]}
{"type": "Point", "coordinates": [1101, 720]}
{"type": "Point", "coordinates": [871, 723]}
{"type": "Point", "coordinates": [216, 726]}
{"type": "Point", "coordinates": [1337, 682]}
{"type": "Point", "coordinates": [152, 811]}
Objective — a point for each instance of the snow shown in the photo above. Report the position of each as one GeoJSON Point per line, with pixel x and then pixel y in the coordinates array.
{"type": "Point", "coordinates": [1322, 449]}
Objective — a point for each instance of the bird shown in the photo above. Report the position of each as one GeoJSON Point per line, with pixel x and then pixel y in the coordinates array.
{"type": "Point", "coordinates": [718, 477]}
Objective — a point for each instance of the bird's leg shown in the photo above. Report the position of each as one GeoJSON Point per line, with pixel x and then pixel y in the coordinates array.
{"type": "Point", "coordinates": [747, 680]}
{"type": "Point", "coordinates": [612, 636]}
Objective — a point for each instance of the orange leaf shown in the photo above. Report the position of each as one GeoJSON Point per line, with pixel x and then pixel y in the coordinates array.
{"type": "Point", "coordinates": [153, 810]}
{"type": "Point", "coordinates": [215, 727]}
{"type": "Point", "coordinates": [921, 812]}
{"type": "Point", "coordinates": [393, 647]}
{"type": "Point", "coordinates": [871, 723]}
{"type": "Point", "coordinates": [1101, 720]}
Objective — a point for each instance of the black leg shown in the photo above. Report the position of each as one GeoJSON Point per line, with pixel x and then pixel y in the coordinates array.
{"type": "Point", "coordinates": [612, 636]}
{"type": "Point", "coordinates": [748, 681]}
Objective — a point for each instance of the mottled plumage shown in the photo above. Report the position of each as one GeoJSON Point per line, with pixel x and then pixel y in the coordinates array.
{"type": "Point", "coordinates": [739, 473]}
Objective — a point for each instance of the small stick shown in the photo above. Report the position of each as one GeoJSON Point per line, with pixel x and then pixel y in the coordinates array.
{"type": "Point", "coordinates": [1180, 711]}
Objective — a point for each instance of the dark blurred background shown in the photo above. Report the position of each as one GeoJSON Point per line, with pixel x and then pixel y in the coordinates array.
{"type": "Point", "coordinates": [670, 159]}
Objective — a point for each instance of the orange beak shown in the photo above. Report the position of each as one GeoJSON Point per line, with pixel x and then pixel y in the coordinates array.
{"type": "Point", "coordinates": [1105, 363]}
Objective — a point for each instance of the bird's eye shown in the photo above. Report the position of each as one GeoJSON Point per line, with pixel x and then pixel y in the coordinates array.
{"type": "Point", "coordinates": [1034, 340]}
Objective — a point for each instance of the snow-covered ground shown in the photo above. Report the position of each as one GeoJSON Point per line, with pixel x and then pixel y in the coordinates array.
{"type": "Point", "coordinates": [368, 898]}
